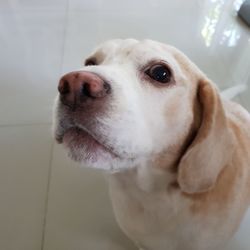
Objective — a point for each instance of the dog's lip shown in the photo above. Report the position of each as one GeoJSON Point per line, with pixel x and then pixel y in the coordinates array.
{"type": "Point", "coordinates": [89, 136]}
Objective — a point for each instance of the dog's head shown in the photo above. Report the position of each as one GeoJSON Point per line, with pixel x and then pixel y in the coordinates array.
{"type": "Point", "coordinates": [136, 100]}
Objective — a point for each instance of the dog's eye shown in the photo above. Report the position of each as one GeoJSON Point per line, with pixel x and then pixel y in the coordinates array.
{"type": "Point", "coordinates": [159, 73]}
{"type": "Point", "coordinates": [90, 62]}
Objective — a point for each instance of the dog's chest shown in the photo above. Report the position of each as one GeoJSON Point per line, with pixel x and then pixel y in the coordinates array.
{"type": "Point", "coordinates": [148, 218]}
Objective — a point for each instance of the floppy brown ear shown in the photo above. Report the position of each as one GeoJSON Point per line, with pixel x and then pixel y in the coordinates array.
{"type": "Point", "coordinates": [211, 148]}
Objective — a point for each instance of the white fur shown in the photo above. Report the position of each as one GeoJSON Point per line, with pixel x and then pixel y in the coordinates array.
{"type": "Point", "coordinates": [136, 119]}
{"type": "Point", "coordinates": [142, 122]}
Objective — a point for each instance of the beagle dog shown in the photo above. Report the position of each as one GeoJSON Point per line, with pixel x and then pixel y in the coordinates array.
{"type": "Point", "coordinates": [177, 154]}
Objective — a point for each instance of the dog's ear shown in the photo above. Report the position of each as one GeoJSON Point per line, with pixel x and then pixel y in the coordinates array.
{"type": "Point", "coordinates": [211, 148]}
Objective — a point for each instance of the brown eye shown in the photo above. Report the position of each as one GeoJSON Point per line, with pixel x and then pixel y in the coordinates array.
{"type": "Point", "coordinates": [90, 62]}
{"type": "Point", "coordinates": [159, 73]}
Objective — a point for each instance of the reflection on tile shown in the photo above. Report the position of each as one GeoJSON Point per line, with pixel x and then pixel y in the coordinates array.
{"type": "Point", "coordinates": [211, 20]}
{"type": "Point", "coordinates": [79, 212]}
{"type": "Point", "coordinates": [218, 25]}
{"type": "Point", "coordinates": [24, 160]}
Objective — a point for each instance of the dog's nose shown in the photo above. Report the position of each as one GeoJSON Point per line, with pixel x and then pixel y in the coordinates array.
{"type": "Point", "coordinates": [76, 87]}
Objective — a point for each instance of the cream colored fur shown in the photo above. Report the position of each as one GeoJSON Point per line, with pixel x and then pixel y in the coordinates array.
{"type": "Point", "coordinates": [182, 181]}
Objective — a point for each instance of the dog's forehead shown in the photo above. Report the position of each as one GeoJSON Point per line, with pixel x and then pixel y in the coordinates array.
{"type": "Point", "coordinates": [133, 49]}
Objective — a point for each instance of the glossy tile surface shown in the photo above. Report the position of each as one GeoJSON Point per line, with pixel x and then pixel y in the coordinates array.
{"type": "Point", "coordinates": [79, 210]}
{"type": "Point", "coordinates": [40, 40]}
{"type": "Point", "coordinates": [31, 48]}
{"type": "Point", "coordinates": [24, 171]}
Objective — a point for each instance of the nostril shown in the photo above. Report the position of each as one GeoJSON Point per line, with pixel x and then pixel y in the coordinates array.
{"type": "Point", "coordinates": [107, 87]}
{"type": "Point", "coordinates": [85, 91]}
{"type": "Point", "coordinates": [64, 87]}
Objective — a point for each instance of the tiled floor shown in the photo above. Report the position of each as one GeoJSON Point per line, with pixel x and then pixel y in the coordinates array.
{"type": "Point", "coordinates": [46, 201]}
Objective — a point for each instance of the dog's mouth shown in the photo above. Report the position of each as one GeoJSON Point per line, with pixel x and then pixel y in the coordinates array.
{"type": "Point", "coordinates": [83, 144]}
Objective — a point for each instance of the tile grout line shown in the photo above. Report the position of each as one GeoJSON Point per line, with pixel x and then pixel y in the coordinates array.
{"type": "Point", "coordinates": [47, 194]}
{"type": "Point", "coordinates": [53, 143]}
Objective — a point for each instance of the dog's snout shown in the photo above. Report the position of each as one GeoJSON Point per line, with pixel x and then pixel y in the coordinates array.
{"type": "Point", "coordinates": [75, 87]}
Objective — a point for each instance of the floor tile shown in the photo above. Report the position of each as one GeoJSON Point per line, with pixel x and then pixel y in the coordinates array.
{"type": "Point", "coordinates": [31, 48]}
{"type": "Point", "coordinates": [24, 160]}
{"type": "Point", "coordinates": [79, 215]}
{"type": "Point", "coordinates": [245, 98]}
{"type": "Point", "coordinates": [241, 239]}
{"type": "Point", "coordinates": [81, 37]}
{"type": "Point", "coordinates": [141, 6]}
{"type": "Point", "coordinates": [47, 5]}
{"type": "Point", "coordinates": [227, 40]}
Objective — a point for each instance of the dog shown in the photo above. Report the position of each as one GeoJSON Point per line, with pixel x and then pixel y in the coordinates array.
{"type": "Point", "coordinates": [177, 154]}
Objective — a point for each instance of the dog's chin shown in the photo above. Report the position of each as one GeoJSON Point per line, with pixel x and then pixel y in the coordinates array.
{"type": "Point", "coordinates": [85, 149]}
